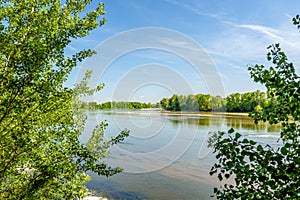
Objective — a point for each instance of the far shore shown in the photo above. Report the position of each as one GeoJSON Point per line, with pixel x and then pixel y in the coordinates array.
{"type": "Point", "coordinates": [181, 113]}
{"type": "Point", "coordinates": [203, 113]}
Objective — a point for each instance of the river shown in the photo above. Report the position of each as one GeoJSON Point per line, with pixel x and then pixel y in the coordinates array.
{"type": "Point", "coordinates": [166, 155]}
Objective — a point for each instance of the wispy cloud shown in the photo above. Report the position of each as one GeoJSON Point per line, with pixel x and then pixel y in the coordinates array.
{"type": "Point", "coordinates": [72, 48]}
{"type": "Point", "coordinates": [235, 46]}
{"type": "Point", "coordinates": [240, 41]}
{"type": "Point", "coordinates": [185, 46]}
{"type": "Point", "coordinates": [237, 67]}
{"type": "Point", "coordinates": [253, 43]}
{"type": "Point", "coordinates": [243, 42]}
{"type": "Point", "coordinates": [270, 32]}
{"type": "Point", "coordinates": [193, 9]}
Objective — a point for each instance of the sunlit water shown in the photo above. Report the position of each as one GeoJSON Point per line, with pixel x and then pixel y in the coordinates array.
{"type": "Point", "coordinates": [166, 154]}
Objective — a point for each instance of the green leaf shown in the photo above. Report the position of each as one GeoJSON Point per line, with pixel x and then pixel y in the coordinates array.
{"type": "Point", "coordinates": [220, 177]}
{"type": "Point", "coordinates": [252, 142]}
{"type": "Point", "coordinates": [245, 141]}
{"type": "Point", "coordinates": [215, 190]}
{"type": "Point", "coordinates": [227, 176]}
{"type": "Point", "coordinates": [237, 135]}
{"type": "Point", "coordinates": [284, 151]}
{"type": "Point", "coordinates": [231, 130]}
{"type": "Point", "coordinates": [297, 160]}
{"type": "Point", "coordinates": [212, 172]}
{"type": "Point", "coordinates": [260, 148]}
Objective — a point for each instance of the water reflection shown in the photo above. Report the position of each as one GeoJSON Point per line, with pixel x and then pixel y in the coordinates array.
{"type": "Point", "coordinates": [236, 122]}
{"type": "Point", "coordinates": [193, 121]}
{"type": "Point", "coordinates": [161, 158]}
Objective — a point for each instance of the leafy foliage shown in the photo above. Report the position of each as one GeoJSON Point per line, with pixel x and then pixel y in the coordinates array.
{"type": "Point", "coordinates": [115, 105]}
{"type": "Point", "coordinates": [41, 156]}
{"type": "Point", "coordinates": [235, 102]}
{"type": "Point", "coordinates": [264, 172]}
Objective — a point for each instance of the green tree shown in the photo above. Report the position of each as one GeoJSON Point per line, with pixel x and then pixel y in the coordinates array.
{"type": "Point", "coordinates": [93, 106]}
{"type": "Point", "coordinates": [233, 102]}
{"type": "Point", "coordinates": [250, 100]}
{"type": "Point", "coordinates": [164, 103]}
{"type": "Point", "coordinates": [106, 105]}
{"type": "Point", "coordinates": [174, 103]}
{"type": "Point", "coordinates": [204, 102]}
{"type": "Point", "coordinates": [264, 172]}
{"type": "Point", "coordinates": [261, 100]}
{"type": "Point", "coordinates": [41, 156]}
{"type": "Point", "coordinates": [218, 103]}
{"type": "Point", "coordinates": [191, 103]}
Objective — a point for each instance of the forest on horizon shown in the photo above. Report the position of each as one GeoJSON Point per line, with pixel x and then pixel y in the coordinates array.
{"type": "Point", "coordinates": [235, 102]}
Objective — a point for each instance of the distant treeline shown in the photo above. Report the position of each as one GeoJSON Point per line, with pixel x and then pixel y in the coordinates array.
{"type": "Point", "coordinates": [235, 102]}
{"type": "Point", "coordinates": [114, 105]}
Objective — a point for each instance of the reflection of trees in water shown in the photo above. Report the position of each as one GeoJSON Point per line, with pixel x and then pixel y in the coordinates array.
{"type": "Point", "coordinates": [192, 121]}
{"type": "Point", "coordinates": [274, 128]}
{"type": "Point", "coordinates": [176, 122]}
{"type": "Point", "coordinates": [236, 122]}
{"type": "Point", "coordinates": [248, 124]}
{"type": "Point", "coordinates": [198, 121]}
{"type": "Point", "coordinates": [241, 123]}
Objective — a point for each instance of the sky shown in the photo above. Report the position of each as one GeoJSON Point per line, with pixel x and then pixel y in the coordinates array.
{"type": "Point", "coordinates": [151, 49]}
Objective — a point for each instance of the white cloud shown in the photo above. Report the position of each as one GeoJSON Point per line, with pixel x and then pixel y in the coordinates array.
{"type": "Point", "coordinates": [239, 45]}
{"type": "Point", "coordinates": [245, 42]}
{"type": "Point", "coordinates": [72, 48]}
{"type": "Point", "coordinates": [194, 9]}
{"type": "Point", "coordinates": [262, 29]}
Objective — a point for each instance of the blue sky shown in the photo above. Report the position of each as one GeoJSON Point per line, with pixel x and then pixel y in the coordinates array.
{"type": "Point", "coordinates": [232, 35]}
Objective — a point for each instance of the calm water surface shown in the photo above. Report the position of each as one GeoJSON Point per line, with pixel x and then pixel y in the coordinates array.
{"type": "Point", "coordinates": [166, 155]}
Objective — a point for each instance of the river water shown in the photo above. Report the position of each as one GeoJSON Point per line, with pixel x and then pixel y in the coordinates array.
{"type": "Point", "coordinates": [166, 155]}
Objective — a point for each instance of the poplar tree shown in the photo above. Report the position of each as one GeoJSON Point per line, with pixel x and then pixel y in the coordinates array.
{"type": "Point", "coordinates": [41, 156]}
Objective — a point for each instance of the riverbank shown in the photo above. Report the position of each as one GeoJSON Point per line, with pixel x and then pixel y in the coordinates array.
{"type": "Point", "coordinates": [181, 113]}
{"type": "Point", "coordinates": [186, 113]}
